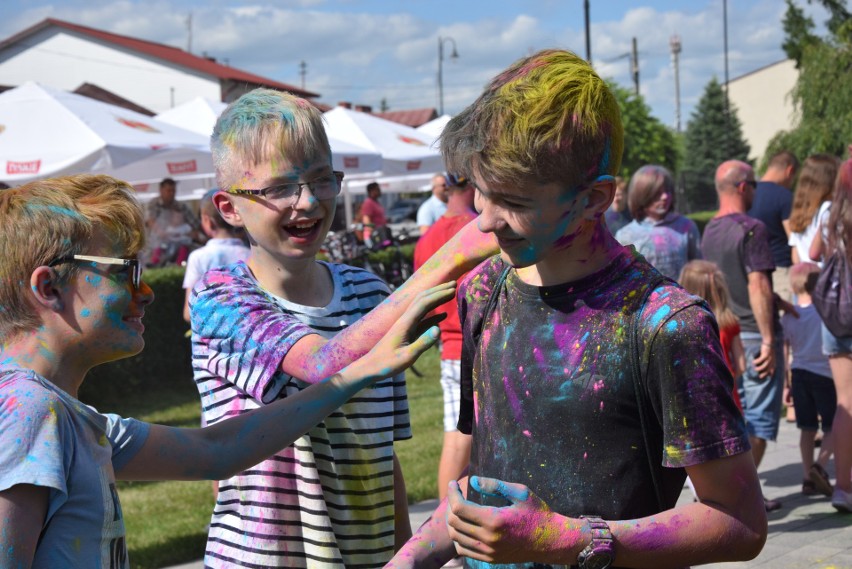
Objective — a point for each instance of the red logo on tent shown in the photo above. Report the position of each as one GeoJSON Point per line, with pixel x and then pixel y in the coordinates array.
{"type": "Point", "coordinates": [409, 140]}
{"type": "Point", "coordinates": [182, 167]}
{"type": "Point", "coordinates": [413, 165]}
{"type": "Point", "coordinates": [31, 167]}
{"type": "Point", "coordinates": [141, 187]}
{"type": "Point", "coordinates": [136, 124]}
{"type": "Point", "coordinates": [350, 161]}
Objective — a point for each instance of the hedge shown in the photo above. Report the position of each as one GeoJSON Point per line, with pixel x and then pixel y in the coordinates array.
{"type": "Point", "coordinates": [166, 357]}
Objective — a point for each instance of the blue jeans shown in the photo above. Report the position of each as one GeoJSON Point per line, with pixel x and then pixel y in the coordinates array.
{"type": "Point", "coordinates": [761, 397]}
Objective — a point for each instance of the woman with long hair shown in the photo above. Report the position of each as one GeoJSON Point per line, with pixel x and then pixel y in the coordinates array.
{"type": "Point", "coordinates": [667, 239]}
{"type": "Point", "coordinates": [810, 201]}
{"type": "Point", "coordinates": [836, 234]}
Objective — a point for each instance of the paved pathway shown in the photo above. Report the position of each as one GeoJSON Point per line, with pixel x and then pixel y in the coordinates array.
{"type": "Point", "coordinates": [806, 533]}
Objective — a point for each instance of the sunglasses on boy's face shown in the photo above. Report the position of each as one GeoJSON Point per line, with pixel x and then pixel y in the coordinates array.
{"type": "Point", "coordinates": [287, 194]}
{"type": "Point", "coordinates": [131, 266]}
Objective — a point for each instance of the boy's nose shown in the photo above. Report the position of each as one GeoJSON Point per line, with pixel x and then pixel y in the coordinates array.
{"type": "Point", "coordinates": [307, 200]}
{"type": "Point", "coordinates": [144, 295]}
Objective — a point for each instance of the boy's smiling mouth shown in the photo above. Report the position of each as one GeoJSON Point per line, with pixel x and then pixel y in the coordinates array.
{"type": "Point", "coordinates": [302, 229]}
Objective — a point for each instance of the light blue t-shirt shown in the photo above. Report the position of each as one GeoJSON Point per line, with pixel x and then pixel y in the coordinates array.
{"type": "Point", "coordinates": [430, 211]}
{"type": "Point", "coordinates": [50, 439]}
{"type": "Point", "coordinates": [668, 244]}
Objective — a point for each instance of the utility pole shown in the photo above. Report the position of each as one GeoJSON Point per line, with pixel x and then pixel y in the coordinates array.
{"type": "Point", "coordinates": [727, 100]}
{"type": "Point", "coordinates": [453, 55]}
{"type": "Point", "coordinates": [189, 33]}
{"type": "Point", "coordinates": [303, 70]}
{"type": "Point", "coordinates": [674, 43]}
{"type": "Point", "coordinates": [588, 33]}
{"type": "Point", "coordinates": [634, 67]}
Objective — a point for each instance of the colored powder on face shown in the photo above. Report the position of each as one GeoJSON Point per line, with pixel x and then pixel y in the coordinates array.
{"type": "Point", "coordinates": [85, 313]}
{"type": "Point", "coordinates": [94, 280]}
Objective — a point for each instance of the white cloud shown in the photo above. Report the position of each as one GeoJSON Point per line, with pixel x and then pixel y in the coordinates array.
{"type": "Point", "coordinates": [353, 52]}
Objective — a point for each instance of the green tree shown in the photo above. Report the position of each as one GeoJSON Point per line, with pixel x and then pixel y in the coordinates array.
{"type": "Point", "coordinates": [712, 136]}
{"type": "Point", "coordinates": [822, 99]}
{"type": "Point", "coordinates": [798, 32]}
{"type": "Point", "coordinates": [646, 139]}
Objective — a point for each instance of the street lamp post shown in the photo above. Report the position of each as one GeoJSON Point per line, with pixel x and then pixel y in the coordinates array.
{"type": "Point", "coordinates": [453, 55]}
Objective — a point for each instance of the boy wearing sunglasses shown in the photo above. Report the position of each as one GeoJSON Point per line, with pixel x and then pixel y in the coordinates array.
{"type": "Point", "coordinates": [590, 384]}
{"type": "Point", "coordinates": [268, 328]}
{"type": "Point", "coordinates": [72, 298]}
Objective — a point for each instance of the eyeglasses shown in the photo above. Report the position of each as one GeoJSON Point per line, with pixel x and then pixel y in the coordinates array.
{"type": "Point", "coordinates": [752, 183]}
{"type": "Point", "coordinates": [133, 266]}
{"type": "Point", "coordinates": [288, 193]}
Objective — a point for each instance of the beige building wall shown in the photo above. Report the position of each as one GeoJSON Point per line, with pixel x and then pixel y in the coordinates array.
{"type": "Point", "coordinates": [763, 104]}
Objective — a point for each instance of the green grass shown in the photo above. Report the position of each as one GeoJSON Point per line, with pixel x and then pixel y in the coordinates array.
{"type": "Point", "coordinates": [166, 520]}
{"type": "Point", "coordinates": [419, 455]}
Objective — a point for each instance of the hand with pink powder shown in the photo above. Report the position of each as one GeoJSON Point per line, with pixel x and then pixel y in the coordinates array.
{"type": "Point", "coordinates": [525, 530]}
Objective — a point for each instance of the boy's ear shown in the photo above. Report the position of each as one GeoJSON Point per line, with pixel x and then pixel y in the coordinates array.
{"type": "Point", "coordinates": [224, 202]}
{"type": "Point", "coordinates": [600, 198]}
{"type": "Point", "coordinates": [45, 288]}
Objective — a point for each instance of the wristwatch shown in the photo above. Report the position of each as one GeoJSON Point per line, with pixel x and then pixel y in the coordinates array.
{"type": "Point", "coordinates": [600, 553]}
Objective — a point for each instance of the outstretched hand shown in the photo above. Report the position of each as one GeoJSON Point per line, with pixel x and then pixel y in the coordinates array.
{"type": "Point", "coordinates": [525, 530]}
{"type": "Point", "coordinates": [409, 337]}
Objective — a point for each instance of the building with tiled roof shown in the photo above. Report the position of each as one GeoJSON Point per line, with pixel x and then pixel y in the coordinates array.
{"type": "Point", "coordinates": [152, 75]}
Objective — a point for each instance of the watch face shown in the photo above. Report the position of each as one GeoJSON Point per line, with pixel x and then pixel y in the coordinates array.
{"type": "Point", "coordinates": [599, 558]}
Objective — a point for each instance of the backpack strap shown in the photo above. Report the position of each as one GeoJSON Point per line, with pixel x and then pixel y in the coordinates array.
{"type": "Point", "coordinates": [493, 297]}
{"type": "Point", "coordinates": [643, 405]}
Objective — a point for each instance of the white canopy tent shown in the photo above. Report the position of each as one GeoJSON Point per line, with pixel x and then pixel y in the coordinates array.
{"type": "Point", "coordinates": [404, 151]}
{"type": "Point", "coordinates": [408, 160]}
{"type": "Point", "coordinates": [200, 115]}
{"type": "Point", "coordinates": [434, 128]}
{"type": "Point", "coordinates": [48, 132]}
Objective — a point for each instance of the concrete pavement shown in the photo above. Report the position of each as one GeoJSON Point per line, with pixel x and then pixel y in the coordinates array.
{"type": "Point", "coordinates": [806, 533]}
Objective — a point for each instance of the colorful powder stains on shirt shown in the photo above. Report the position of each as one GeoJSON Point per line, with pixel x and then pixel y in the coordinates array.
{"type": "Point", "coordinates": [326, 500]}
{"type": "Point", "coordinates": [567, 426]}
{"type": "Point", "coordinates": [52, 440]}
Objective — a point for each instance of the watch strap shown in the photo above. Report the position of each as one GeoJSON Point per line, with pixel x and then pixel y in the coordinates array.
{"type": "Point", "coordinates": [600, 551]}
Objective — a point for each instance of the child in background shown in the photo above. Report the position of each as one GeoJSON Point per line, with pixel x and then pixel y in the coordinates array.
{"type": "Point", "coordinates": [223, 247]}
{"type": "Point", "coordinates": [809, 379]}
{"type": "Point", "coordinates": [704, 279]}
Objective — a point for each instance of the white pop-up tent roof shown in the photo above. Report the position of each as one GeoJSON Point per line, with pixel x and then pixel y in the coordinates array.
{"type": "Point", "coordinates": [49, 132]}
{"type": "Point", "coordinates": [404, 151]}
{"type": "Point", "coordinates": [200, 115]}
{"type": "Point", "coordinates": [434, 128]}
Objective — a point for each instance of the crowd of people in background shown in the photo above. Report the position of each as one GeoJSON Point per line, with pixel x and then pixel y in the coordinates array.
{"type": "Point", "coordinates": [762, 253]}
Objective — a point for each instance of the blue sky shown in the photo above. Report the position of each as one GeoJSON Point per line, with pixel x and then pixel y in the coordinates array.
{"type": "Point", "coordinates": [364, 51]}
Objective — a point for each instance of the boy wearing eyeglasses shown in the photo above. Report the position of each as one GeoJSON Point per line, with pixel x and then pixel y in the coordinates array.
{"type": "Point", "coordinates": [591, 385]}
{"type": "Point", "coordinates": [268, 328]}
{"type": "Point", "coordinates": [72, 298]}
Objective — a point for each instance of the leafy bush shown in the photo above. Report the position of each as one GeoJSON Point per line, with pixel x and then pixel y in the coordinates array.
{"type": "Point", "coordinates": [701, 218]}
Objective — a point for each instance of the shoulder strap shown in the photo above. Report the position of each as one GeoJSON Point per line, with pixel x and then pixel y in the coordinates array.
{"type": "Point", "coordinates": [642, 403]}
{"type": "Point", "coordinates": [493, 296]}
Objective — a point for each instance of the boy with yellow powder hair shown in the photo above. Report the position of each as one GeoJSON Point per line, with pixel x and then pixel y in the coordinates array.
{"type": "Point", "coordinates": [591, 385]}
